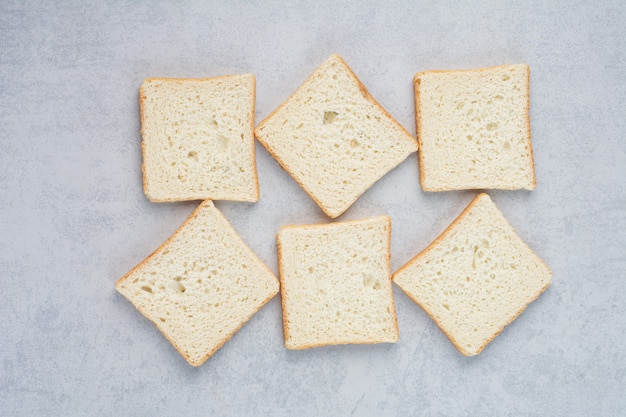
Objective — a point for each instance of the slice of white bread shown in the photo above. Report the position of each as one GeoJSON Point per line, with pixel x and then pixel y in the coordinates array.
{"type": "Point", "coordinates": [333, 138]}
{"type": "Point", "coordinates": [473, 129]}
{"type": "Point", "coordinates": [201, 285]}
{"type": "Point", "coordinates": [336, 284]}
{"type": "Point", "coordinates": [198, 138]}
{"type": "Point", "coordinates": [475, 278]}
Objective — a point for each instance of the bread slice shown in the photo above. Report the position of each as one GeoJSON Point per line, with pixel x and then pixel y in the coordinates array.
{"type": "Point", "coordinates": [473, 129]}
{"type": "Point", "coordinates": [333, 138]}
{"type": "Point", "coordinates": [336, 285]}
{"type": "Point", "coordinates": [201, 285]}
{"type": "Point", "coordinates": [198, 140]}
{"type": "Point", "coordinates": [475, 278]}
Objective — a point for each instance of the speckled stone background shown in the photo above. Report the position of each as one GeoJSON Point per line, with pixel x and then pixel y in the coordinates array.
{"type": "Point", "coordinates": [73, 217]}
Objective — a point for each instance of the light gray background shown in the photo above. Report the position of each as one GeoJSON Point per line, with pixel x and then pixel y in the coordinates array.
{"type": "Point", "coordinates": [73, 217]}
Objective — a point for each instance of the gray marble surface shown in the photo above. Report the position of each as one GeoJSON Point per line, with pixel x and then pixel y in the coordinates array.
{"type": "Point", "coordinates": [73, 217]}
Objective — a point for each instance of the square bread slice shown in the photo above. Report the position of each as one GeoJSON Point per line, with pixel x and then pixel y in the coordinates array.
{"type": "Point", "coordinates": [473, 129]}
{"type": "Point", "coordinates": [336, 284]}
{"type": "Point", "coordinates": [475, 278]}
{"type": "Point", "coordinates": [198, 138]}
{"type": "Point", "coordinates": [333, 138]}
{"type": "Point", "coordinates": [201, 285]}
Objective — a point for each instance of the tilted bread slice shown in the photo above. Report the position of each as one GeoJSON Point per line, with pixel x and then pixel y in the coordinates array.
{"type": "Point", "coordinates": [475, 278]}
{"type": "Point", "coordinates": [473, 129]}
{"type": "Point", "coordinates": [201, 285]}
{"type": "Point", "coordinates": [333, 138]}
{"type": "Point", "coordinates": [198, 139]}
{"type": "Point", "coordinates": [336, 284]}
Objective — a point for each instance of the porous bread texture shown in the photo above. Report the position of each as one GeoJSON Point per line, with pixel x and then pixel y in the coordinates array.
{"type": "Point", "coordinates": [198, 139]}
{"type": "Point", "coordinates": [473, 129]}
{"type": "Point", "coordinates": [475, 278]}
{"type": "Point", "coordinates": [201, 285]}
{"type": "Point", "coordinates": [336, 284]}
{"type": "Point", "coordinates": [333, 138]}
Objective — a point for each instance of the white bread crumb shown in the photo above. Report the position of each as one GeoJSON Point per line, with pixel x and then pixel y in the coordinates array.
{"type": "Point", "coordinates": [198, 140]}
{"type": "Point", "coordinates": [201, 285]}
{"type": "Point", "coordinates": [473, 129]}
{"type": "Point", "coordinates": [475, 278]}
{"type": "Point", "coordinates": [333, 138]}
{"type": "Point", "coordinates": [336, 285]}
